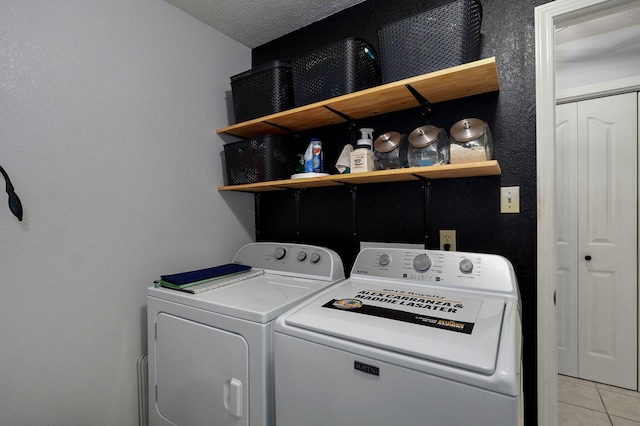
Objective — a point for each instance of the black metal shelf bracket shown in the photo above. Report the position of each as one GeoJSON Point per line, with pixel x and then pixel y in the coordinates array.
{"type": "Point", "coordinates": [354, 209]}
{"type": "Point", "coordinates": [348, 119]}
{"type": "Point", "coordinates": [424, 104]}
{"type": "Point", "coordinates": [339, 113]}
{"type": "Point", "coordinates": [297, 195]}
{"type": "Point", "coordinates": [257, 221]}
{"type": "Point", "coordinates": [426, 202]}
{"type": "Point", "coordinates": [286, 129]}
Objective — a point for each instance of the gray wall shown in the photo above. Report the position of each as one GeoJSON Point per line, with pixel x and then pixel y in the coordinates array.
{"type": "Point", "coordinates": [108, 111]}
{"type": "Point", "coordinates": [395, 212]}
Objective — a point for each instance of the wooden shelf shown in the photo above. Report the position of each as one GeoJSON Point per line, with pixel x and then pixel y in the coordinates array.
{"type": "Point", "coordinates": [445, 171]}
{"type": "Point", "coordinates": [457, 82]}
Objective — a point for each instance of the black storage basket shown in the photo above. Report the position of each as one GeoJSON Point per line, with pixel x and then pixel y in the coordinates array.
{"type": "Point", "coordinates": [438, 38]}
{"type": "Point", "coordinates": [263, 90]}
{"type": "Point", "coordinates": [336, 69]}
{"type": "Point", "coordinates": [260, 159]}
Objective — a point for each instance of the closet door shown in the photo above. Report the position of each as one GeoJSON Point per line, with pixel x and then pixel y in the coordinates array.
{"type": "Point", "coordinates": [567, 238]}
{"type": "Point", "coordinates": [607, 219]}
{"type": "Point", "coordinates": [597, 267]}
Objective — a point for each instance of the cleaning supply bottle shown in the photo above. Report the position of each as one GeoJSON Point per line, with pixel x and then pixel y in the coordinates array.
{"type": "Point", "coordinates": [308, 156]}
{"type": "Point", "coordinates": [316, 155]}
{"type": "Point", "coordinates": [366, 139]}
{"type": "Point", "coordinates": [362, 157]}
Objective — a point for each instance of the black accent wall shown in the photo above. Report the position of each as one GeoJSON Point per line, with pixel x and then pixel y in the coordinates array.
{"type": "Point", "coordinates": [340, 217]}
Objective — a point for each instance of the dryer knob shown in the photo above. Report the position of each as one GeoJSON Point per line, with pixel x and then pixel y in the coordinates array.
{"type": "Point", "coordinates": [315, 258]}
{"type": "Point", "coordinates": [384, 260]}
{"type": "Point", "coordinates": [302, 256]}
{"type": "Point", "coordinates": [466, 266]}
{"type": "Point", "coordinates": [280, 253]}
{"type": "Point", "coordinates": [422, 262]}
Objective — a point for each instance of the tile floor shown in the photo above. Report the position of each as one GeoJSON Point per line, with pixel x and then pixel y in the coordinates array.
{"type": "Point", "coordinates": [584, 403]}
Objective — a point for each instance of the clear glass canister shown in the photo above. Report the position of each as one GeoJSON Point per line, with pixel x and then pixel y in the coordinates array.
{"type": "Point", "coordinates": [388, 151]}
{"type": "Point", "coordinates": [428, 145]}
{"type": "Point", "coordinates": [471, 141]}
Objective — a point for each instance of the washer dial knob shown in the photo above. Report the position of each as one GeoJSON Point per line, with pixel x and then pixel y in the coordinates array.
{"type": "Point", "coordinates": [302, 256]}
{"type": "Point", "coordinates": [315, 258]}
{"type": "Point", "coordinates": [466, 266]}
{"type": "Point", "coordinates": [422, 262]}
{"type": "Point", "coordinates": [384, 259]}
{"type": "Point", "coordinates": [280, 253]}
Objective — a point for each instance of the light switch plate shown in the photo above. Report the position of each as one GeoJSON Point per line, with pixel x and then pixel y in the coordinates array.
{"type": "Point", "coordinates": [510, 199]}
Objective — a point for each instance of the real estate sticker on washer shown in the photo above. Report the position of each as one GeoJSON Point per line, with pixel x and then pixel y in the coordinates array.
{"type": "Point", "coordinates": [436, 309]}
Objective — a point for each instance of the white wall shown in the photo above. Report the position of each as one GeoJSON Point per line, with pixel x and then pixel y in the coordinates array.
{"type": "Point", "coordinates": [108, 111]}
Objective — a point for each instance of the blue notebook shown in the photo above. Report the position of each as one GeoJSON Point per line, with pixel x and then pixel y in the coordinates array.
{"type": "Point", "coordinates": [191, 277]}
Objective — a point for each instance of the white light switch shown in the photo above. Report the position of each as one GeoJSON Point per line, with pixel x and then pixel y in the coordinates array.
{"type": "Point", "coordinates": [510, 199]}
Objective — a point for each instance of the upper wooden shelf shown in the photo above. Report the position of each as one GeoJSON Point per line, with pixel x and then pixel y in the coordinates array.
{"type": "Point", "coordinates": [457, 82]}
{"type": "Point", "coordinates": [445, 171]}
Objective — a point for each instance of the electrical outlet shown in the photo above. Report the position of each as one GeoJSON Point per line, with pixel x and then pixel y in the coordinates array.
{"type": "Point", "coordinates": [510, 199]}
{"type": "Point", "coordinates": [447, 240]}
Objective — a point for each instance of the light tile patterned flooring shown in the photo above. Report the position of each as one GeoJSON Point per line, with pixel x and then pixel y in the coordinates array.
{"type": "Point", "coordinates": [584, 403]}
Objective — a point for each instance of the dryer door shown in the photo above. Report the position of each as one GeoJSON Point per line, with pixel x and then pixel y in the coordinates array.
{"type": "Point", "coordinates": [202, 374]}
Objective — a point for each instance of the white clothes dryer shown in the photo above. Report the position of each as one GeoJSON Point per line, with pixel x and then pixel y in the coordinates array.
{"type": "Point", "coordinates": [210, 354]}
{"type": "Point", "coordinates": [411, 338]}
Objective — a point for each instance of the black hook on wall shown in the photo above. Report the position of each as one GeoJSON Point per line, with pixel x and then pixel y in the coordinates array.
{"type": "Point", "coordinates": [14, 202]}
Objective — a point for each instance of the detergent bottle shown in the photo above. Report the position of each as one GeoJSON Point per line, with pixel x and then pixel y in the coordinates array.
{"type": "Point", "coordinates": [308, 156]}
{"type": "Point", "coordinates": [316, 155]}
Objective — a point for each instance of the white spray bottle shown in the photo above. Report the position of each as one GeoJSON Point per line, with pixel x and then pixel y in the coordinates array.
{"type": "Point", "coordinates": [361, 159]}
{"type": "Point", "coordinates": [366, 139]}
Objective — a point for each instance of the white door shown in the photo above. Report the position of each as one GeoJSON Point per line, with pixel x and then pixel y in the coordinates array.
{"type": "Point", "coordinates": [597, 286]}
{"type": "Point", "coordinates": [567, 238]}
{"type": "Point", "coordinates": [202, 375]}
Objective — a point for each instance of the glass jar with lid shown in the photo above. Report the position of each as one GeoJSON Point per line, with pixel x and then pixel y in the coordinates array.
{"type": "Point", "coordinates": [428, 145]}
{"type": "Point", "coordinates": [471, 141]}
{"type": "Point", "coordinates": [390, 151]}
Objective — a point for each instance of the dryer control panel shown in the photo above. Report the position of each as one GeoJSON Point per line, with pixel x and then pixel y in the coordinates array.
{"type": "Point", "coordinates": [445, 268]}
{"type": "Point", "coordinates": [293, 259]}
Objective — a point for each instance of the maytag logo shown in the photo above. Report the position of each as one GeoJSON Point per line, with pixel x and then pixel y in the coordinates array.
{"type": "Point", "coordinates": [362, 272]}
{"type": "Point", "coordinates": [365, 368]}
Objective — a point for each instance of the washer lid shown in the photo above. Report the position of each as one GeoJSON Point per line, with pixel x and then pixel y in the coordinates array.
{"type": "Point", "coordinates": [454, 328]}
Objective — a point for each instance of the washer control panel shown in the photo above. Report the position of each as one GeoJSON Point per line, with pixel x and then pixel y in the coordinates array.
{"type": "Point", "coordinates": [294, 259]}
{"type": "Point", "coordinates": [446, 268]}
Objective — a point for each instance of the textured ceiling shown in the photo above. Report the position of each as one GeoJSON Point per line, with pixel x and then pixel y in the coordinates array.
{"type": "Point", "coordinates": [599, 38]}
{"type": "Point", "coordinates": [600, 25]}
{"type": "Point", "coordinates": [255, 22]}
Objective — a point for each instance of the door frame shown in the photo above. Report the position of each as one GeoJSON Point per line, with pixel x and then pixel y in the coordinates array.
{"type": "Point", "coordinates": [547, 16]}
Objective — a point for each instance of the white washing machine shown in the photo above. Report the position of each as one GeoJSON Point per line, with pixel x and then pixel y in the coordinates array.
{"type": "Point", "coordinates": [210, 357]}
{"type": "Point", "coordinates": [411, 338]}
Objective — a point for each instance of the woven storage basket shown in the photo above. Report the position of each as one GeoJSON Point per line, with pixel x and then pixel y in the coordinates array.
{"type": "Point", "coordinates": [432, 40]}
{"type": "Point", "coordinates": [263, 90]}
{"type": "Point", "coordinates": [260, 159]}
{"type": "Point", "coordinates": [336, 69]}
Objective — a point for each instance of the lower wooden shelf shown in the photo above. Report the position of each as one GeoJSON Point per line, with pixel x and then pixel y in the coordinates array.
{"type": "Point", "coordinates": [445, 171]}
